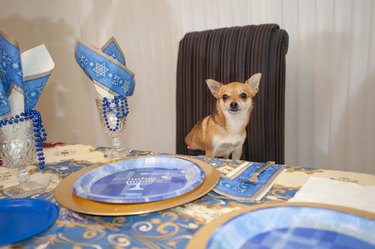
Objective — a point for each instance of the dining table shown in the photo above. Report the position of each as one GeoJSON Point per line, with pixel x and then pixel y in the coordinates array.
{"type": "Point", "coordinates": [171, 227]}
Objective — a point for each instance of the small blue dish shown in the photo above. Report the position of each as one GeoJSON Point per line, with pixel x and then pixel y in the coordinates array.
{"type": "Point", "coordinates": [23, 218]}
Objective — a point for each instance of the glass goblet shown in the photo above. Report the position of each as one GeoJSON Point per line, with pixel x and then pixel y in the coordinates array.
{"type": "Point", "coordinates": [112, 115]}
{"type": "Point", "coordinates": [17, 150]}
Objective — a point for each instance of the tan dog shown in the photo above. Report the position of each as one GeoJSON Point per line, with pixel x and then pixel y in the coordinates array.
{"type": "Point", "coordinates": [224, 132]}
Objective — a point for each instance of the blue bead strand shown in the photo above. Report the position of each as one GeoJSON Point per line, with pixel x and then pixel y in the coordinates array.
{"type": "Point", "coordinates": [120, 110]}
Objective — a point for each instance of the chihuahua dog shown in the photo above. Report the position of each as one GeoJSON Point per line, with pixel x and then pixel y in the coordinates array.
{"type": "Point", "coordinates": [223, 133]}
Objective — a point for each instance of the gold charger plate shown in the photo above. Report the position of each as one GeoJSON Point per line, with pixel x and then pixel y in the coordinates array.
{"type": "Point", "coordinates": [201, 239]}
{"type": "Point", "coordinates": [65, 196]}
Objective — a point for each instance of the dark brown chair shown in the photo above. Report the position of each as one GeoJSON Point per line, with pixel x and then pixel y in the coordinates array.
{"type": "Point", "coordinates": [234, 54]}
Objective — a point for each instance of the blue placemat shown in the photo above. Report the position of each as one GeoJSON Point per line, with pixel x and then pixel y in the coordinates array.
{"type": "Point", "coordinates": [239, 190]}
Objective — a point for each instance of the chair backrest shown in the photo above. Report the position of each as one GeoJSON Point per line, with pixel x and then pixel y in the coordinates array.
{"type": "Point", "coordinates": [234, 54]}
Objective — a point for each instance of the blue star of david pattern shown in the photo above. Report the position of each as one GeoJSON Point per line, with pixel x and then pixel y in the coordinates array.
{"type": "Point", "coordinates": [100, 69]}
{"type": "Point", "coordinates": [10, 64]}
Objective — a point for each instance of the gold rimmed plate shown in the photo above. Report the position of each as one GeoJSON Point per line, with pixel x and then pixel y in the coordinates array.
{"type": "Point", "coordinates": [140, 179]}
{"type": "Point", "coordinates": [289, 225]}
{"type": "Point", "coordinates": [65, 196]}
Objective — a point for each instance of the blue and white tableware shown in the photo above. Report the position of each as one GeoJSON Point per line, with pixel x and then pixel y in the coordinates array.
{"type": "Point", "coordinates": [138, 180]}
{"type": "Point", "coordinates": [285, 225]}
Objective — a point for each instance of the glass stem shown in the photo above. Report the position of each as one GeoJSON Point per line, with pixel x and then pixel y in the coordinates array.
{"type": "Point", "coordinates": [23, 177]}
{"type": "Point", "coordinates": [116, 143]}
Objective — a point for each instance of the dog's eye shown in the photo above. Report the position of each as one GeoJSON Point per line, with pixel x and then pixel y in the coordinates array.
{"type": "Point", "coordinates": [225, 96]}
{"type": "Point", "coordinates": [243, 95]}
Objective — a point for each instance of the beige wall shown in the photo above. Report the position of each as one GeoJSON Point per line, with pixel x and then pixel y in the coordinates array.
{"type": "Point", "coordinates": [67, 103]}
{"type": "Point", "coordinates": [330, 68]}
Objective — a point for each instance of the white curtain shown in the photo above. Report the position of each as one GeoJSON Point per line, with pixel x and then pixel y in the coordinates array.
{"type": "Point", "coordinates": [330, 81]}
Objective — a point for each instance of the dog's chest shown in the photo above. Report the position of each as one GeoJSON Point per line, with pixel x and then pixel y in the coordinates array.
{"type": "Point", "coordinates": [232, 138]}
{"type": "Point", "coordinates": [228, 141]}
{"type": "Point", "coordinates": [235, 123]}
{"type": "Point", "coordinates": [225, 145]}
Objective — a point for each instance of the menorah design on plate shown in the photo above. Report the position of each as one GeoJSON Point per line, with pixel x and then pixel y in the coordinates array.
{"type": "Point", "coordinates": [138, 182]}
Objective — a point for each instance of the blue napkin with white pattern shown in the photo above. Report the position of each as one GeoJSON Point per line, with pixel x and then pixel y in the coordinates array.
{"type": "Point", "coordinates": [233, 186]}
{"type": "Point", "coordinates": [22, 76]}
{"type": "Point", "coordinates": [106, 68]}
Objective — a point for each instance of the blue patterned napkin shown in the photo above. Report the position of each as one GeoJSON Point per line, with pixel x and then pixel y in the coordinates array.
{"type": "Point", "coordinates": [10, 70]}
{"type": "Point", "coordinates": [106, 67]}
{"type": "Point", "coordinates": [22, 76]}
{"type": "Point", "coordinates": [233, 187]}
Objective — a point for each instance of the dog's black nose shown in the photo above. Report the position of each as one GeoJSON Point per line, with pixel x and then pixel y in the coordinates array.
{"type": "Point", "coordinates": [233, 105]}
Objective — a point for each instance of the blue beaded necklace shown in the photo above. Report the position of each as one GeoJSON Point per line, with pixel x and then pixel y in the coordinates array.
{"type": "Point", "coordinates": [119, 106]}
{"type": "Point", "coordinates": [40, 134]}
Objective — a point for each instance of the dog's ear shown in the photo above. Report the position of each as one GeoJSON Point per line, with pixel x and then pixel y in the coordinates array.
{"type": "Point", "coordinates": [214, 87]}
{"type": "Point", "coordinates": [253, 83]}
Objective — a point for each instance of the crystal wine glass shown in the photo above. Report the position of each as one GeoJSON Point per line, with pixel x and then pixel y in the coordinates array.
{"type": "Point", "coordinates": [17, 150]}
{"type": "Point", "coordinates": [112, 115]}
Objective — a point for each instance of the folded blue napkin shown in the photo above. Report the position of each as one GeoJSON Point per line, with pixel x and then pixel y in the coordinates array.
{"type": "Point", "coordinates": [106, 67]}
{"type": "Point", "coordinates": [22, 76]}
{"type": "Point", "coordinates": [235, 188]}
{"type": "Point", "coordinates": [10, 70]}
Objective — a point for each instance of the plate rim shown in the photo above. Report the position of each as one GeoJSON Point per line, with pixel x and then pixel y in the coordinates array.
{"type": "Point", "coordinates": [201, 238]}
{"type": "Point", "coordinates": [51, 217]}
{"type": "Point", "coordinates": [65, 197]}
{"type": "Point", "coordinates": [104, 199]}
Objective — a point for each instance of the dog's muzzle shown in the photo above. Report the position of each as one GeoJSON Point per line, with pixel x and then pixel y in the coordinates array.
{"type": "Point", "coordinates": [234, 107]}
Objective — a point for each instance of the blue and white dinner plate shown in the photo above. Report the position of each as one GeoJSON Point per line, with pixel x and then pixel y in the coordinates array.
{"type": "Point", "coordinates": [23, 218]}
{"type": "Point", "coordinates": [138, 180]}
{"type": "Point", "coordinates": [298, 225]}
